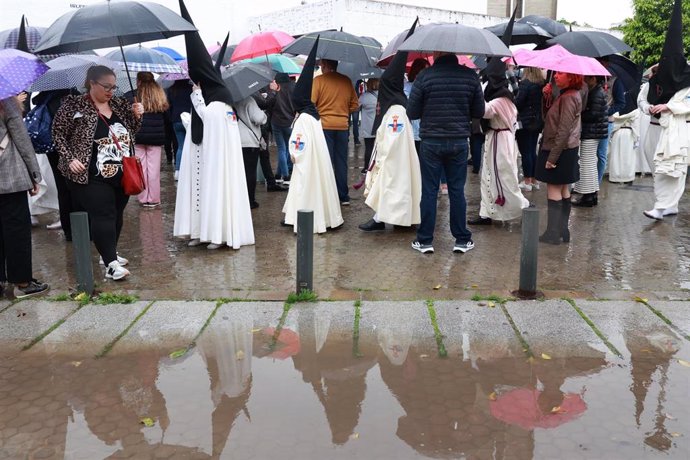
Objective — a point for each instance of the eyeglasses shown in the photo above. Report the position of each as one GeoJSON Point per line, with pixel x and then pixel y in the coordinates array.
{"type": "Point", "coordinates": [107, 88]}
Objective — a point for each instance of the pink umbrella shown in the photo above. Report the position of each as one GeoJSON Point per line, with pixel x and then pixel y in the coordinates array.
{"type": "Point", "coordinates": [561, 60]}
{"type": "Point", "coordinates": [462, 60]}
{"type": "Point", "coordinates": [520, 407]}
{"type": "Point", "coordinates": [261, 44]}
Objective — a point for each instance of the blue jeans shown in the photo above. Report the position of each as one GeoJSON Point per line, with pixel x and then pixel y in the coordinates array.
{"type": "Point", "coordinates": [527, 144]}
{"type": "Point", "coordinates": [337, 148]}
{"type": "Point", "coordinates": [602, 153]}
{"type": "Point", "coordinates": [180, 134]}
{"type": "Point", "coordinates": [477, 147]}
{"type": "Point", "coordinates": [281, 134]}
{"type": "Point", "coordinates": [449, 156]}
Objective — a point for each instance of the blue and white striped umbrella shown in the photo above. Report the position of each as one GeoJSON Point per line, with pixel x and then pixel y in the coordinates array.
{"type": "Point", "coordinates": [140, 59]}
{"type": "Point", "coordinates": [68, 72]}
{"type": "Point", "coordinates": [18, 70]}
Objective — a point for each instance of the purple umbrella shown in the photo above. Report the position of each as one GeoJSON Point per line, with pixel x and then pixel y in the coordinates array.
{"type": "Point", "coordinates": [18, 70]}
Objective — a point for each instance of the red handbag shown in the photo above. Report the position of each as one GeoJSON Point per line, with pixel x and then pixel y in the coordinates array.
{"type": "Point", "coordinates": [132, 171]}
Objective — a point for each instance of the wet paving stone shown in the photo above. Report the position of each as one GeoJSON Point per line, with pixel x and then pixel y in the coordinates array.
{"type": "Point", "coordinates": [677, 312]}
{"type": "Point", "coordinates": [25, 320]}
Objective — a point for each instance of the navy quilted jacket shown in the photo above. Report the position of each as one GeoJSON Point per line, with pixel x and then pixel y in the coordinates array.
{"type": "Point", "coordinates": [446, 97]}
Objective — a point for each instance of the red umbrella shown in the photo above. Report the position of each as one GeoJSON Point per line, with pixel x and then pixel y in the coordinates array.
{"type": "Point", "coordinates": [261, 44]}
{"type": "Point", "coordinates": [287, 341]}
{"type": "Point", "coordinates": [521, 407]}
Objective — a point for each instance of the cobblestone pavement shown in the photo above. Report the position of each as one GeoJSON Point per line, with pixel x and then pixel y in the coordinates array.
{"type": "Point", "coordinates": [371, 380]}
{"type": "Point", "coordinates": [615, 251]}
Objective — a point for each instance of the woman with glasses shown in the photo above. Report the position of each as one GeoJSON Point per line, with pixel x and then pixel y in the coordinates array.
{"type": "Point", "coordinates": [92, 133]}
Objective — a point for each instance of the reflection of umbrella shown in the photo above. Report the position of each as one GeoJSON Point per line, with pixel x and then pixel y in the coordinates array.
{"type": "Point", "coordinates": [338, 46]}
{"type": "Point", "coordinates": [590, 43]}
{"type": "Point", "coordinates": [68, 72]}
{"type": "Point", "coordinates": [455, 38]}
{"type": "Point", "coordinates": [170, 52]}
{"type": "Point", "coordinates": [244, 79]}
{"type": "Point", "coordinates": [140, 59]}
{"type": "Point", "coordinates": [288, 340]}
{"type": "Point", "coordinates": [522, 33]}
{"type": "Point", "coordinates": [279, 63]}
{"type": "Point", "coordinates": [520, 407]}
{"type": "Point", "coordinates": [554, 28]}
{"type": "Point", "coordinates": [559, 59]}
{"type": "Point", "coordinates": [18, 70]}
{"type": "Point", "coordinates": [261, 44]}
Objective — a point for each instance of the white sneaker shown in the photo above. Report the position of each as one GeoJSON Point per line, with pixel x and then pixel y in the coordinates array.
{"type": "Point", "coordinates": [656, 214]}
{"type": "Point", "coordinates": [194, 242]}
{"type": "Point", "coordinates": [670, 211]}
{"type": "Point", "coordinates": [525, 187]}
{"type": "Point", "coordinates": [115, 271]}
{"type": "Point", "coordinates": [177, 175]}
{"type": "Point", "coordinates": [213, 246]}
{"type": "Point", "coordinates": [54, 226]}
{"type": "Point", "coordinates": [122, 261]}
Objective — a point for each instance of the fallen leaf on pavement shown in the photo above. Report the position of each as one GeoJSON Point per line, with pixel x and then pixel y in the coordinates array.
{"type": "Point", "coordinates": [82, 296]}
{"type": "Point", "coordinates": [256, 330]}
{"type": "Point", "coordinates": [646, 350]}
{"type": "Point", "coordinates": [437, 287]}
{"type": "Point", "coordinates": [239, 355]}
{"type": "Point", "coordinates": [670, 417]}
{"type": "Point", "coordinates": [475, 286]}
{"type": "Point", "coordinates": [178, 353]}
{"type": "Point", "coordinates": [354, 436]}
{"type": "Point", "coordinates": [492, 396]}
{"type": "Point", "coordinates": [492, 305]}
{"type": "Point", "coordinates": [423, 356]}
{"type": "Point", "coordinates": [147, 422]}
{"type": "Point", "coordinates": [683, 362]}
{"type": "Point", "coordinates": [676, 435]}
{"type": "Point", "coordinates": [641, 300]}
{"type": "Point", "coordinates": [75, 363]}
{"type": "Point", "coordinates": [545, 356]}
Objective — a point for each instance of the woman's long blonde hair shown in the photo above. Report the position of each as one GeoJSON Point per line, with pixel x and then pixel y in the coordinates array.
{"type": "Point", "coordinates": [534, 75]}
{"type": "Point", "coordinates": [150, 94]}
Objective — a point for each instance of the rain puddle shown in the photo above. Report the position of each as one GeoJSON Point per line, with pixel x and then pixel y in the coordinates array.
{"type": "Point", "coordinates": [305, 390]}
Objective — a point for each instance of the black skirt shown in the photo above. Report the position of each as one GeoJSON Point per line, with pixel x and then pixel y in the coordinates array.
{"type": "Point", "coordinates": [567, 169]}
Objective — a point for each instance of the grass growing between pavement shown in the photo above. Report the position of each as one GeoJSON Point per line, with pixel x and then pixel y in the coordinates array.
{"type": "Point", "coordinates": [491, 298]}
{"type": "Point", "coordinates": [112, 298]}
{"type": "Point", "coordinates": [106, 349]}
{"type": "Point", "coordinates": [663, 318]}
{"type": "Point", "coordinates": [183, 351]}
{"type": "Point", "coordinates": [355, 330]}
{"type": "Point", "coordinates": [305, 295]}
{"type": "Point", "coordinates": [55, 325]}
{"type": "Point", "coordinates": [442, 352]}
{"type": "Point", "coordinates": [525, 346]}
{"type": "Point", "coordinates": [593, 326]}
{"type": "Point", "coordinates": [279, 327]}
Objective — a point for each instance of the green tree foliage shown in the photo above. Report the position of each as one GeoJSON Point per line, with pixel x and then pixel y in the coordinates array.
{"type": "Point", "coordinates": [646, 30]}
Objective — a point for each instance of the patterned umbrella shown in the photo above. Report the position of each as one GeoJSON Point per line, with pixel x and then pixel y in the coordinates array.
{"type": "Point", "coordinates": [140, 59]}
{"type": "Point", "coordinates": [18, 70]}
{"type": "Point", "coordinates": [68, 72]}
{"type": "Point", "coordinates": [10, 37]}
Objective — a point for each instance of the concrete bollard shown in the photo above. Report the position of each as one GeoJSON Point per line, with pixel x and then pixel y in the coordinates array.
{"type": "Point", "coordinates": [81, 246]}
{"type": "Point", "coordinates": [528, 254]}
{"type": "Point", "coordinates": [305, 250]}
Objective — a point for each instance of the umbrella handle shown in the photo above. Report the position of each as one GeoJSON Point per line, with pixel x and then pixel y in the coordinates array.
{"type": "Point", "coordinates": [124, 59]}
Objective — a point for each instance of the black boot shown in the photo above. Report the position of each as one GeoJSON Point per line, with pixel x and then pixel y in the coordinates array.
{"type": "Point", "coordinates": [565, 219]}
{"type": "Point", "coordinates": [372, 226]}
{"type": "Point", "coordinates": [480, 221]}
{"type": "Point", "coordinates": [586, 201]}
{"type": "Point", "coordinates": [552, 235]}
{"type": "Point", "coordinates": [595, 198]}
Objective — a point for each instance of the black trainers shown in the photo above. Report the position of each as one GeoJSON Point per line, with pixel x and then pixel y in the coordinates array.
{"type": "Point", "coordinates": [33, 288]}
{"type": "Point", "coordinates": [372, 226]}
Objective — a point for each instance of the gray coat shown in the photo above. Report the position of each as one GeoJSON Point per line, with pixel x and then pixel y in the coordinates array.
{"type": "Point", "coordinates": [18, 165]}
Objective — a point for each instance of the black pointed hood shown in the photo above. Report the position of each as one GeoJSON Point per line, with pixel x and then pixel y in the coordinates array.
{"type": "Point", "coordinates": [498, 84]}
{"type": "Point", "coordinates": [674, 71]}
{"type": "Point", "coordinates": [22, 43]}
{"type": "Point", "coordinates": [221, 54]}
{"type": "Point", "coordinates": [392, 84]}
{"type": "Point", "coordinates": [301, 94]}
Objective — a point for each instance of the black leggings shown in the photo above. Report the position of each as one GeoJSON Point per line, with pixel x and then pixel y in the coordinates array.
{"type": "Point", "coordinates": [64, 195]}
{"type": "Point", "coordinates": [368, 149]}
{"type": "Point", "coordinates": [105, 205]}
{"type": "Point", "coordinates": [15, 238]}
{"type": "Point", "coordinates": [250, 155]}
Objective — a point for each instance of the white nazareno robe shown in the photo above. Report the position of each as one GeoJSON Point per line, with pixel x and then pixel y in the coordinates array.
{"type": "Point", "coordinates": [501, 196]}
{"type": "Point", "coordinates": [312, 184]}
{"type": "Point", "coordinates": [188, 200]}
{"type": "Point", "coordinates": [46, 200]}
{"type": "Point", "coordinates": [622, 155]}
{"type": "Point", "coordinates": [650, 130]}
{"type": "Point", "coordinates": [394, 180]}
{"type": "Point", "coordinates": [225, 216]}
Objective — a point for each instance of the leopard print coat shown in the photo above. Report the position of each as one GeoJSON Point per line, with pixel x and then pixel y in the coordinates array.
{"type": "Point", "coordinates": [74, 127]}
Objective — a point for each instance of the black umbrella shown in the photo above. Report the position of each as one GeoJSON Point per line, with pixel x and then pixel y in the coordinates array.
{"type": "Point", "coordinates": [630, 76]}
{"type": "Point", "coordinates": [455, 38]}
{"type": "Point", "coordinates": [522, 33]}
{"type": "Point", "coordinates": [590, 43]}
{"type": "Point", "coordinates": [228, 54]}
{"type": "Point", "coordinates": [393, 45]}
{"type": "Point", "coordinates": [554, 28]}
{"type": "Point", "coordinates": [355, 72]}
{"type": "Point", "coordinates": [245, 78]}
{"type": "Point", "coordinates": [338, 46]}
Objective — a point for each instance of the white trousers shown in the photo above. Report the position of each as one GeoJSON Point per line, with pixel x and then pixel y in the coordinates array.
{"type": "Point", "coordinates": [668, 190]}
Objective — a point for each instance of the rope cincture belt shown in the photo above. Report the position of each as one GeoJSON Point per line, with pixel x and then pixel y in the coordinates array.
{"type": "Point", "coordinates": [500, 199]}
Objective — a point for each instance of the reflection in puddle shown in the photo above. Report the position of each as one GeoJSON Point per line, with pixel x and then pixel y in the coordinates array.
{"type": "Point", "coordinates": [308, 396]}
